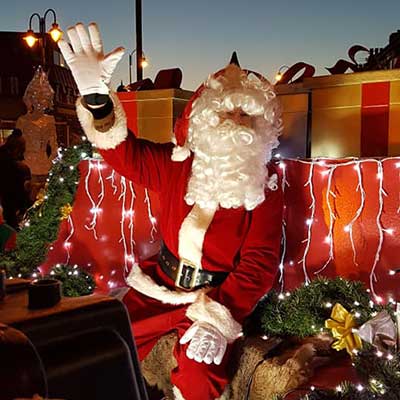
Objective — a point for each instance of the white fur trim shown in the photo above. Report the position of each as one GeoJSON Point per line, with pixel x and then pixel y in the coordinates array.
{"type": "Point", "coordinates": [104, 140]}
{"type": "Point", "coordinates": [180, 153]}
{"type": "Point", "coordinates": [141, 282]}
{"type": "Point", "coordinates": [207, 310]}
{"type": "Point", "coordinates": [177, 394]}
{"type": "Point", "coordinates": [192, 233]}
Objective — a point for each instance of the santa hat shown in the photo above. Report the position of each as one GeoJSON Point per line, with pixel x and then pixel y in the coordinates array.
{"type": "Point", "coordinates": [181, 150]}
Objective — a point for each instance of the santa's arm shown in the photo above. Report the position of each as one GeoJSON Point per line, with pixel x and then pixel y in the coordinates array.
{"type": "Point", "coordinates": [226, 306]}
{"type": "Point", "coordinates": [101, 114]}
{"type": "Point", "coordinates": [138, 160]}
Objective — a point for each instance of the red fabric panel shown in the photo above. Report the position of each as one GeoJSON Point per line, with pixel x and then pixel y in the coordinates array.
{"type": "Point", "coordinates": [105, 256]}
{"type": "Point", "coordinates": [345, 200]}
{"type": "Point", "coordinates": [375, 119]}
{"type": "Point", "coordinates": [107, 253]}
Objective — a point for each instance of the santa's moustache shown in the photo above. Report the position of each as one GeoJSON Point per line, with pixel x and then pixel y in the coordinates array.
{"type": "Point", "coordinates": [229, 166]}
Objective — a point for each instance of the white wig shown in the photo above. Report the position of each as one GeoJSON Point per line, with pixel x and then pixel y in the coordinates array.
{"type": "Point", "coordinates": [229, 166]}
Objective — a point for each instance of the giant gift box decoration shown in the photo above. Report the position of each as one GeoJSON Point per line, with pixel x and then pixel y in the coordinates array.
{"type": "Point", "coordinates": [341, 218]}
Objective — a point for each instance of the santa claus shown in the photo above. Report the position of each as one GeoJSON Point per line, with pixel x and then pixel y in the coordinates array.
{"type": "Point", "coordinates": [221, 209]}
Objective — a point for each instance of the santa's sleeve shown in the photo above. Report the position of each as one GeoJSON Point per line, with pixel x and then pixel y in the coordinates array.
{"type": "Point", "coordinates": [226, 306]}
{"type": "Point", "coordinates": [139, 160]}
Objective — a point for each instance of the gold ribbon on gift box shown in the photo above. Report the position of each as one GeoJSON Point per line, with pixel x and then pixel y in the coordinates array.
{"type": "Point", "coordinates": [342, 325]}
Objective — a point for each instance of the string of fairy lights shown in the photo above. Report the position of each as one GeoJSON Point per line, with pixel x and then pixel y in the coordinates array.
{"type": "Point", "coordinates": [329, 167]}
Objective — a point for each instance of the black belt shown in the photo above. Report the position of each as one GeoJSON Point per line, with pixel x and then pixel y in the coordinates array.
{"type": "Point", "coordinates": [187, 275]}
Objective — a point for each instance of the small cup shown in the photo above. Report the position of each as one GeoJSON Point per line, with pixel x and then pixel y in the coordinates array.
{"type": "Point", "coordinates": [44, 293]}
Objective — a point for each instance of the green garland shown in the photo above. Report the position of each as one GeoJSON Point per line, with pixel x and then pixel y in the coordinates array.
{"type": "Point", "coordinates": [75, 281]}
{"type": "Point", "coordinates": [304, 311]}
{"type": "Point", "coordinates": [43, 220]}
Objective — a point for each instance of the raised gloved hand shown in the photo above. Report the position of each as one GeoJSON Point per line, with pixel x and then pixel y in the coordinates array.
{"type": "Point", "coordinates": [91, 69]}
{"type": "Point", "coordinates": [207, 344]}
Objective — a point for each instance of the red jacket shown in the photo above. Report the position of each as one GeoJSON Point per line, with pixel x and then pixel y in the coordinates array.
{"type": "Point", "coordinates": [244, 243]}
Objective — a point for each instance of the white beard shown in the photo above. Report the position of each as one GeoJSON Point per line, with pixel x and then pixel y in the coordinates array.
{"type": "Point", "coordinates": [229, 166]}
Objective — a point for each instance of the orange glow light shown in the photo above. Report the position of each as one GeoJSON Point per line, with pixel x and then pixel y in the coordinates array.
{"type": "Point", "coordinates": [56, 33]}
{"type": "Point", "coordinates": [30, 38]}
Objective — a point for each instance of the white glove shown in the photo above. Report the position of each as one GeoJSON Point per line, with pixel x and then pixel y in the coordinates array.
{"type": "Point", "coordinates": [91, 69]}
{"type": "Point", "coordinates": [207, 344]}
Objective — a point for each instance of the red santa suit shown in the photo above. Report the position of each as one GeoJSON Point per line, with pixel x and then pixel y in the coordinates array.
{"type": "Point", "coordinates": [244, 244]}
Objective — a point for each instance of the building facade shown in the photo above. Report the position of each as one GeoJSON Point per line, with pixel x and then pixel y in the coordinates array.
{"type": "Point", "coordinates": [17, 68]}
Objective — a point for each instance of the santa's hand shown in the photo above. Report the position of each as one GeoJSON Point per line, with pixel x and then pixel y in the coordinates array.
{"type": "Point", "coordinates": [91, 69]}
{"type": "Point", "coordinates": [207, 344]}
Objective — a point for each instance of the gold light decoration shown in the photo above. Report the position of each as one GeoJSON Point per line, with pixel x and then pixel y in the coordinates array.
{"type": "Point", "coordinates": [55, 32]}
{"type": "Point", "coordinates": [144, 62]}
{"type": "Point", "coordinates": [342, 325]}
{"type": "Point", "coordinates": [30, 38]}
{"type": "Point", "coordinates": [65, 211]}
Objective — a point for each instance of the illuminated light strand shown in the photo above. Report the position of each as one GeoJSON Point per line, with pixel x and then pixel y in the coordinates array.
{"type": "Point", "coordinates": [67, 243]}
{"type": "Point", "coordinates": [332, 219]}
{"type": "Point", "coordinates": [122, 197]}
{"type": "Point", "coordinates": [281, 265]}
{"type": "Point", "coordinates": [131, 215]}
{"type": "Point", "coordinates": [284, 241]}
{"type": "Point", "coordinates": [309, 223]}
{"type": "Point", "coordinates": [95, 206]}
{"type": "Point", "coordinates": [151, 217]}
{"type": "Point", "coordinates": [398, 166]}
{"type": "Point", "coordinates": [111, 178]}
{"type": "Point", "coordinates": [372, 276]}
{"type": "Point", "coordinates": [360, 187]}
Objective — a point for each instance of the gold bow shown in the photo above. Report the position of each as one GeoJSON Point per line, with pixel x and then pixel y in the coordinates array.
{"type": "Point", "coordinates": [65, 211]}
{"type": "Point", "coordinates": [40, 198]}
{"type": "Point", "coordinates": [342, 324]}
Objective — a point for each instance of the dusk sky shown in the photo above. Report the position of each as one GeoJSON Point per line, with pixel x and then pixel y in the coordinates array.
{"type": "Point", "coordinates": [199, 36]}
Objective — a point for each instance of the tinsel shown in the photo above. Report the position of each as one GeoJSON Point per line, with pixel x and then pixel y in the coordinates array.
{"type": "Point", "coordinates": [304, 311]}
{"type": "Point", "coordinates": [42, 223]}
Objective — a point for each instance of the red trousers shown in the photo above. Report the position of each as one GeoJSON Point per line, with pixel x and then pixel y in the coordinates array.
{"type": "Point", "coordinates": [151, 320]}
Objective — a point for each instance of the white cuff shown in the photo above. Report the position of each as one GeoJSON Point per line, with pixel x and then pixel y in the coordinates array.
{"type": "Point", "coordinates": [111, 138]}
{"type": "Point", "coordinates": [207, 310]}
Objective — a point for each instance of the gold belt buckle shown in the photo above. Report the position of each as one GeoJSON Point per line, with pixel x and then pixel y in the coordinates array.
{"type": "Point", "coordinates": [186, 263]}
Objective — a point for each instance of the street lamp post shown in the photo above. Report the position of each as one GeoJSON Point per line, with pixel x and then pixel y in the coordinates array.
{"type": "Point", "coordinates": [55, 32]}
{"type": "Point", "coordinates": [143, 64]}
{"type": "Point", "coordinates": [139, 49]}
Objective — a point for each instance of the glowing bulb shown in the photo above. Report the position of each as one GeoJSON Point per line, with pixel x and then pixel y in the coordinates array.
{"type": "Point", "coordinates": [83, 155]}
{"type": "Point", "coordinates": [281, 296]}
{"type": "Point", "coordinates": [61, 179]}
{"type": "Point", "coordinates": [55, 32]}
{"type": "Point", "coordinates": [346, 228]}
{"type": "Point", "coordinates": [357, 315]}
{"type": "Point", "coordinates": [360, 388]}
{"type": "Point", "coordinates": [278, 76]}
{"type": "Point", "coordinates": [309, 221]}
{"type": "Point", "coordinates": [328, 305]}
{"type": "Point", "coordinates": [327, 240]}
{"type": "Point", "coordinates": [391, 272]}
{"type": "Point", "coordinates": [379, 353]}
{"type": "Point", "coordinates": [71, 167]}
{"type": "Point", "coordinates": [389, 357]}
{"type": "Point", "coordinates": [30, 38]}
{"type": "Point", "coordinates": [144, 62]}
